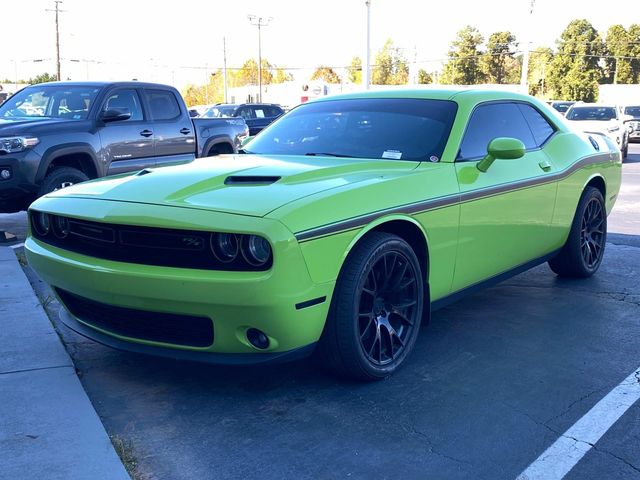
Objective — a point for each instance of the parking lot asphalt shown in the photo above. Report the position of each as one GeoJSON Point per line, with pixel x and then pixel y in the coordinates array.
{"type": "Point", "coordinates": [495, 379]}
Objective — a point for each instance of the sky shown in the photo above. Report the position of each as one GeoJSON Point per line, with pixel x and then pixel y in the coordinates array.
{"type": "Point", "coordinates": [181, 42]}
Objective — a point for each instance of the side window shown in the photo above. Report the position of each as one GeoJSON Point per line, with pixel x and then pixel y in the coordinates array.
{"type": "Point", "coordinates": [540, 127]}
{"type": "Point", "coordinates": [491, 121]}
{"type": "Point", "coordinates": [163, 104]}
{"type": "Point", "coordinates": [127, 100]}
{"type": "Point", "coordinates": [245, 113]}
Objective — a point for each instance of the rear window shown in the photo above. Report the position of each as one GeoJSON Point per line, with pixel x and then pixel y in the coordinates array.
{"type": "Point", "coordinates": [379, 128]}
{"type": "Point", "coordinates": [162, 104]}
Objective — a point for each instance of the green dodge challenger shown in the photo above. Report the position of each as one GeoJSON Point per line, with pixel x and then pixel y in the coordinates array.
{"type": "Point", "coordinates": [338, 229]}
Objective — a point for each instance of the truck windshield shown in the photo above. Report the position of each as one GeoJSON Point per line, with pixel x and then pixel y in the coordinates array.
{"type": "Point", "coordinates": [53, 101]}
{"type": "Point", "coordinates": [633, 111]}
{"type": "Point", "coordinates": [381, 128]}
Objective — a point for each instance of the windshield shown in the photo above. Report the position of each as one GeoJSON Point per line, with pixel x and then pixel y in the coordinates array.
{"type": "Point", "coordinates": [592, 113]}
{"type": "Point", "coordinates": [218, 112]}
{"type": "Point", "coordinates": [394, 129]}
{"type": "Point", "coordinates": [633, 111]}
{"type": "Point", "coordinates": [42, 101]}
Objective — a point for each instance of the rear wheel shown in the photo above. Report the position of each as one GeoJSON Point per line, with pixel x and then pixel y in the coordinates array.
{"type": "Point", "coordinates": [625, 149]}
{"type": "Point", "coordinates": [61, 177]}
{"type": "Point", "coordinates": [582, 253]}
{"type": "Point", "coordinates": [376, 309]}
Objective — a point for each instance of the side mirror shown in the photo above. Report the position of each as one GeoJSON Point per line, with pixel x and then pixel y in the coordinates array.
{"type": "Point", "coordinates": [501, 148]}
{"type": "Point", "coordinates": [115, 115]}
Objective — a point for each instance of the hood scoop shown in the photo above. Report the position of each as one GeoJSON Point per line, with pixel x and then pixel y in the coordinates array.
{"type": "Point", "coordinates": [250, 180]}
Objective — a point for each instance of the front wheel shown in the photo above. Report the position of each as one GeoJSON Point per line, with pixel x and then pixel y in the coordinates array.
{"type": "Point", "coordinates": [376, 309]}
{"type": "Point", "coordinates": [581, 255]}
{"type": "Point", "coordinates": [61, 177]}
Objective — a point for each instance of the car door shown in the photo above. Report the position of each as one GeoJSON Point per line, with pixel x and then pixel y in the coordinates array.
{"type": "Point", "coordinates": [506, 212]}
{"type": "Point", "coordinates": [127, 145]}
{"type": "Point", "coordinates": [173, 129]}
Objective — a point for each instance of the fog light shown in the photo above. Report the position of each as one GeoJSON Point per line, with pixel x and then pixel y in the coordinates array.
{"type": "Point", "coordinates": [257, 338]}
{"type": "Point", "coordinates": [5, 174]}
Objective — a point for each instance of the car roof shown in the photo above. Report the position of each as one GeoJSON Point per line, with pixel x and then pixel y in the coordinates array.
{"type": "Point", "coordinates": [441, 93]}
{"type": "Point", "coordinates": [128, 83]}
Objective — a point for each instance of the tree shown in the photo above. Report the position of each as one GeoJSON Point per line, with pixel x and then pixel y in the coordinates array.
{"type": "Point", "coordinates": [539, 69]}
{"type": "Point", "coordinates": [211, 92]}
{"type": "Point", "coordinates": [618, 49]}
{"type": "Point", "coordinates": [42, 78]}
{"type": "Point", "coordinates": [463, 67]}
{"type": "Point", "coordinates": [424, 77]}
{"type": "Point", "coordinates": [282, 76]}
{"type": "Point", "coordinates": [355, 70]}
{"type": "Point", "coordinates": [390, 66]}
{"type": "Point", "coordinates": [248, 74]}
{"type": "Point", "coordinates": [498, 63]}
{"type": "Point", "coordinates": [575, 69]}
{"type": "Point", "coordinates": [326, 74]}
{"type": "Point", "coordinates": [634, 39]}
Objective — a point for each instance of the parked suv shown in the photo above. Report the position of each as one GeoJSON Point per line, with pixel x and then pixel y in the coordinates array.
{"type": "Point", "coordinates": [601, 118]}
{"type": "Point", "coordinates": [257, 115]}
{"type": "Point", "coordinates": [634, 122]}
{"type": "Point", "coordinates": [53, 135]}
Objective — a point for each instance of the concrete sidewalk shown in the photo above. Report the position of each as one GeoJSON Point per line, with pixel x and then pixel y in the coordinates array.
{"type": "Point", "coordinates": [48, 427]}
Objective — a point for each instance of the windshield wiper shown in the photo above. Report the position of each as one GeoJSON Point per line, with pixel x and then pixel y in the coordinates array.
{"type": "Point", "coordinates": [327, 154]}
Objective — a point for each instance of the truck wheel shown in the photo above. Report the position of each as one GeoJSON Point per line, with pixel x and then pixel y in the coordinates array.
{"type": "Point", "coordinates": [61, 177]}
{"type": "Point", "coordinates": [376, 309]}
{"type": "Point", "coordinates": [582, 253]}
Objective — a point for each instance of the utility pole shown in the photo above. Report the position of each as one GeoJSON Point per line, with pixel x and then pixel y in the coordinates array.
{"type": "Point", "coordinates": [57, 12]}
{"type": "Point", "coordinates": [366, 67]}
{"type": "Point", "coordinates": [524, 78]}
{"type": "Point", "coordinates": [259, 22]}
{"type": "Point", "coordinates": [224, 56]}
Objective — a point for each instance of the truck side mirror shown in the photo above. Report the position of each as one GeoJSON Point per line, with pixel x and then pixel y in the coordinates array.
{"type": "Point", "coordinates": [115, 115]}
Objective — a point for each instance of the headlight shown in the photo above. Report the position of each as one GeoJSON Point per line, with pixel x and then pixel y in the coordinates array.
{"type": "Point", "coordinates": [61, 227]}
{"type": "Point", "coordinates": [256, 250]}
{"type": "Point", "coordinates": [17, 144]}
{"type": "Point", "coordinates": [41, 223]}
{"type": "Point", "coordinates": [224, 246]}
{"type": "Point", "coordinates": [613, 129]}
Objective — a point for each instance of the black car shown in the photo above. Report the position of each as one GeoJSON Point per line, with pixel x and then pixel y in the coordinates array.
{"type": "Point", "coordinates": [53, 135]}
{"type": "Point", "coordinates": [257, 115]}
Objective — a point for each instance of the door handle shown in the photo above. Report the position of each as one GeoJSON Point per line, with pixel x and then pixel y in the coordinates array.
{"type": "Point", "coordinates": [544, 165]}
{"type": "Point", "coordinates": [146, 133]}
{"type": "Point", "coordinates": [185, 131]}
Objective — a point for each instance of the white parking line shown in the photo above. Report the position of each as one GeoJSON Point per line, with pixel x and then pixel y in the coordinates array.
{"type": "Point", "coordinates": [17, 245]}
{"type": "Point", "coordinates": [566, 452]}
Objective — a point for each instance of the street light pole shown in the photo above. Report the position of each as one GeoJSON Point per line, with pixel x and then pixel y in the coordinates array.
{"type": "Point", "coordinates": [259, 22]}
{"type": "Point", "coordinates": [366, 67]}
{"type": "Point", "coordinates": [524, 76]}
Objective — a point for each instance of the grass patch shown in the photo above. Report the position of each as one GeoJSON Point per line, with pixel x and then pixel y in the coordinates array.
{"type": "Point", "coordinates": [124, 449]}
{"type": "Point", "coordinates": [22, 258]}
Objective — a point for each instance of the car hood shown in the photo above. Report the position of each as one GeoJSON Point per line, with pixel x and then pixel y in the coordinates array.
{"type": "Point", "coordinates": [241, 184]}
{"type": "Point", "coordinates": [14, 126]}
{"type": "Point", "coordinates": [592, 125]}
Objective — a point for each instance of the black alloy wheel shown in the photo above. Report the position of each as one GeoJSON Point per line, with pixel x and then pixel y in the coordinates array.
{"type": "Point", "coordinates": [387, 308]}
{"type": "Point", "coordinates": [592, 233]}
{"type": "Point", "coordinates": [582, 253]}
{"type": "Point", "coordinates": [376, 309]}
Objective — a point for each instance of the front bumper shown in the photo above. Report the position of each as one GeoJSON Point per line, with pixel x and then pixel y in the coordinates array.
{"type": "Point", "coordinates": [21, 183]}
{"type": "Point", "coordinates": [282, 302]}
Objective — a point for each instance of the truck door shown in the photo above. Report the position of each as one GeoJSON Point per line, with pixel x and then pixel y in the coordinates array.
{"type": "Point", "coordinates": [127, 145]}
{"type": "Point", "coordinates": [174, 131]}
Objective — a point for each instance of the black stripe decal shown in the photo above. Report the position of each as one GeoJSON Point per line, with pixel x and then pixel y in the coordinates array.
{"type": "Point", "coordinates": [310, 303]}
{"type": "Point", "coordinates": [448, 200]}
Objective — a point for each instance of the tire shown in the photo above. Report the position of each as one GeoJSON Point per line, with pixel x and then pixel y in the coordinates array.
{"type": "Point", "coordinates": [582, 253]}
{"type": "Point", "coordinates": [625, 150]}
{"type": "Point", "coordinates": [61, 177]}
{"type": "Point", "coordinates": [372, 328]}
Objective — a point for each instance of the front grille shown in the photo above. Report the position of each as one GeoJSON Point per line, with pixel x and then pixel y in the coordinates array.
{"type": "Point", "coordinates": [134, 244]}
{"type": "Point", "coordinates": [162, 327]}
